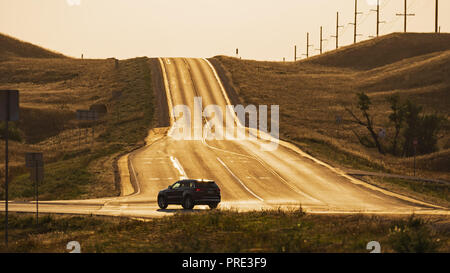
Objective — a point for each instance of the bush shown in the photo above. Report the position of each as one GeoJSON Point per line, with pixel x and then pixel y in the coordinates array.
{"type": "Point", "coordinates": [412, 236]}
{"type": "Point", "coordinates": [424, 128]}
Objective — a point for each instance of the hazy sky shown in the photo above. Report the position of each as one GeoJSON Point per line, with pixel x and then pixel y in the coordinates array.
{"type": "Point", "coordinates": [261, 29]}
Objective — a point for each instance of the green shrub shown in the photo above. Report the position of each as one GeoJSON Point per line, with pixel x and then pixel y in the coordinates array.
{"type": "Point", "coordinates": [412, 236]}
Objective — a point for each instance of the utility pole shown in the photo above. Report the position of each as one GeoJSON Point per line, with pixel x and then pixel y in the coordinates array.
{"type": "Point", "coordinates": [337, 30]}
{"type": "Point", "coordinates": [405, 14]}
{"type": "Point", "coordinates": [378, 17]}
{"type": "Point", "coordinates": [35, 162]}
{"type": "Point", "coordinates": [9, 111]}
{"type": "Point", "coordinates": [355, 23]}
{"type": "Point", "coordinates": [307, 45]}
{"type": "Point", "coordinates": [436, 28]}
{"type": "Point", "coordinates": [295, 53]}
{"type": "Point", "coordinates": [6, 166]}
{"type": "Point", "coordinates": [321, 41]}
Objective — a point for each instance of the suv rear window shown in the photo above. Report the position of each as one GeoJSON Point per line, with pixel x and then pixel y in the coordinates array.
{"type": "Point", "coordinates": [206, 185]}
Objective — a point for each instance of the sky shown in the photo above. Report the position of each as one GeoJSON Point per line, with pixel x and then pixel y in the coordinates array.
{"type": "Point", "coordinates": [261, 29]}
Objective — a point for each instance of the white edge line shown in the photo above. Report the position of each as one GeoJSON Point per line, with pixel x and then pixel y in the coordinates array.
{"type": "Point", "coordinates": [292, 147]}
{"type": "Point", "coordinates": [168, 92]}
{"type": "Point", "coordinates": [178, 166]}
{"type": "Point", "coordinates": [135, 177]}
{"type": "Point", "coordinates": [239, 180]}
{"type": "Point", "coordinates": [224, 94]}
{"type": "Point", "coordinates": [236, 119]}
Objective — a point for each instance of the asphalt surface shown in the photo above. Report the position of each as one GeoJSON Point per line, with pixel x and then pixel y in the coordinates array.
{"type": "Point", "coordinates": [250, 178]}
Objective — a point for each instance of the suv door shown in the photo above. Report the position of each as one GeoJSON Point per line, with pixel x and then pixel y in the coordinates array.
{"type": "Point", "coordinates": [172, 193]}
{"type": "Point", "coordinates": [178, 192]}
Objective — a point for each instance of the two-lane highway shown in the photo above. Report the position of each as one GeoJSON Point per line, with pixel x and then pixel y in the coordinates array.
{"type": "Point", "coordinates": [250, 178]}
{"type": "Point", "coordinates": [246, 173]}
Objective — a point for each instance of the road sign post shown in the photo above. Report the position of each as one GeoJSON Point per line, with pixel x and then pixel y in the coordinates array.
{"type": "Point", "coordinates": [35, 162]}
{"type": "Point", "coordinates": [9, 111]}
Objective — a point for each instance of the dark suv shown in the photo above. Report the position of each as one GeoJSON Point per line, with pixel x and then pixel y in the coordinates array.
{"type": "Point", "coordinates": [189, 193]}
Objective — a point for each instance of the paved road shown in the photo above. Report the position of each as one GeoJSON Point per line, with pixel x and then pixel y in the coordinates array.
{"type": "Point", "coordinates": [249, 176]}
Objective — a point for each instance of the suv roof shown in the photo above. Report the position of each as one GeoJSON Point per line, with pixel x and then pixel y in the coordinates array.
{"type": "Point", "coordinates": [198, 180]}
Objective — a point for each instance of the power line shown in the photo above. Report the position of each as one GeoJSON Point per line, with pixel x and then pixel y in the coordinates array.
{"type": "Point", "coordinates": [389, 25]}
{"type": "Point", "coordinates": [385, 3]}
{"type": "Point", "coordinates": [357, 21]}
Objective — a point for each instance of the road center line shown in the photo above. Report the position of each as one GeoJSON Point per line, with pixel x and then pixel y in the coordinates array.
{"type": "Point", "coordinates": [237, 178]}
{"type": "Point", "coordinates": [178, 166]}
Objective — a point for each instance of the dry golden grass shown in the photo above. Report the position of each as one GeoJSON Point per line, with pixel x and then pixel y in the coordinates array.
{"type": "Point", "coordinates": [48, 105]}
{"type": "Point", "coordinates": [11, 47]}
{"type": "Point", "coordinates": [224, 231]}
{"type": "Point", "coordinates": [311, 93]}
{"type": "Point", "coordinates": [384, 50]}
{"type": "Point", "coordinates": [51, 90]}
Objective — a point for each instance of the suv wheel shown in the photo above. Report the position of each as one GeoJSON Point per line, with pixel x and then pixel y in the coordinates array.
{"type": "Point", "coordinates": [188, 203]}
{"type": "Point", "coordinates": [162, 201]}
{"type": "Point", "coordinates": [213, 205]}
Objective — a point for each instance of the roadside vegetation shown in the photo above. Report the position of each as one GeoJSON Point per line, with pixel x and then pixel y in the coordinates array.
{"type": "Point", "coordinates": [414, 133]}
{"type": "Point", "coordinates": [361, 107]}
{"type": "Point", "coordinates": [229, 231]}
{"type": "Point", "coordinates": [79, 157]}
{"type": "Point", "coordinates": [427, 191]}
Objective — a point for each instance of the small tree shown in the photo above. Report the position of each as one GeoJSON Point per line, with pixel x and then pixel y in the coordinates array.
{"type": "Point", "coordinates": [397, 117]}
{"type": "Point", "coordinates": [431, 125]}
{"type": "Point", "coordinates": [411, 131]}
{"type": "Point", "coordinates": [364, 106]}
{"type": "Point", "coordinates": [424, 128]}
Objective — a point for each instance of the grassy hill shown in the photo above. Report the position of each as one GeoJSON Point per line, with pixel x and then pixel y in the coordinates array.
{"type": "Point", "coordinates": [384, 50]}
{"type": "Point", "coordinates": [52, 88]}
{"type": "Point", "coordinates": [11, 47]}
{"type": "Point", "coordinates": [424, 70]}
{"type": "Point", "coordinates": [312, 93]}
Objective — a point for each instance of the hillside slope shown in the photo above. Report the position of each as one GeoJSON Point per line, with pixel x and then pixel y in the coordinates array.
{"type": "Point", "coordinates": [384, 50]}
{"type": "Point", "coordinates": [80, 161]}
{"type": "Point", "coordinates": [312, 93]}
{"type": "Point", "coordinates": [11, 47]}
{"type": "Point", "coordinates": [423, 71]}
